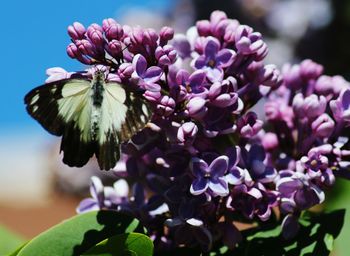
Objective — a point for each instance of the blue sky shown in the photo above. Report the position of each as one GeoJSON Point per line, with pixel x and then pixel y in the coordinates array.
{"type": "Point", "coordinates": [34, 38]}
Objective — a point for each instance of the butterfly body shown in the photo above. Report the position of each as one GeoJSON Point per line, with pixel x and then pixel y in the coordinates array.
{"type": "Point", "coordinates": [92, 116]}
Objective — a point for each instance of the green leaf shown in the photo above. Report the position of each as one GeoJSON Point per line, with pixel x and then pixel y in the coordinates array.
{"type": "Point", "coordinates": [9, 241]}
{"type": "Point", "coordinates": [124, 244]}
{"type": "Point", "coordinates": [78, 234]}
{"type": "Point", "coordinates": [315, 237]}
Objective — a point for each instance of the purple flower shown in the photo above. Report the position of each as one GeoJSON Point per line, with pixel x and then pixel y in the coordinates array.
{"type": "Point", "coordinates": [251, 201]}
{"type": "Point", "coordinates": [323, 126]}
{"type": "Point", "coordinates": [253, 161]}
{"type": "Point", "coordinates": [223, 94]}
{"type": "Point", "coordinates": [146, 78]}
{"type": "Point", "coordinates": [269, 141]}
{"type": "Point", "coordinates": [182, 46]}
{"type": "Point", "coordinates": [214, 60]}
{"type": "Point", "coordinates": [190, 229]}
{"type": "Point", "coordinates": [196, 107]}
{"type": "Point", "coordinates": [210, 178]}
{"type": "Point", "coordinates": [104, 197]}
{"type": "Point", "coordinates": [76, 31]}
{"type": "Point", "coordinates": [341, 107]}
{"type": "Point", "coordinates": [249, 125]}
{"type": "Point", "coordinates": [310, 106]}
{"type": "Point", "coordinates": [112, 29]}
{"type": "Point", "coordinates": [187, 133]}
{"type": "Point", "coordinates": [165, 55]}
{"type": "Point", "coordinates": [194, 82]}
{"type": "Point", "coordinates": [298, 192]}
{"type": "Point", "coordinates": [235, 174]}
{"type": "Point", "coordinates": [330, 85]}
{"type": "Point", "coordinates": [249, 42]}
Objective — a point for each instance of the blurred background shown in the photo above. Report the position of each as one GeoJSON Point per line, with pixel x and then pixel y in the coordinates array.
{"type": "Point", "coordinates": [36, 190]}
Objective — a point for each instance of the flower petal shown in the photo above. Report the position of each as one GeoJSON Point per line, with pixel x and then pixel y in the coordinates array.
{"type": "Point", "coordinates": [140, 64]}
{"type": "Point", "coordinates": [225, 58]}
{"type": "Point", "coordinates": [219, 187]}
{"type": "Point", "coordinates": [199, 186]}
{"type": "Point", "coordinates": [218, 167]}
{"type": "Point", "coordinates": [86, 205]}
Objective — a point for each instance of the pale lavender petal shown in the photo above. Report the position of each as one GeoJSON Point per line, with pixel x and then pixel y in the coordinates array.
{"type": "Point", "coordinates": [121, 188]}
{"type": "Point", "coordinates": [96, 189]}
{"type": "Point", "coordinates": [86, 205]}
{"type": "Point", "coordinates": [215, 74]}
{"type": "Point", "coordinates": [194, 222]}
{"type": "Point", "coordinates": [219, 187]}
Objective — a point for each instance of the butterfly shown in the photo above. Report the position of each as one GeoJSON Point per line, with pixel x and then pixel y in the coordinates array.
{"type": "Point", "coordinates": [93, 116]}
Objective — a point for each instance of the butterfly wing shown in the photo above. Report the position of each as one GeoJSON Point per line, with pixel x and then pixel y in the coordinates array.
{"type": "Point", "coordinates": [122, 116]}
{"type": "Point", "coordinates": [64, 109]}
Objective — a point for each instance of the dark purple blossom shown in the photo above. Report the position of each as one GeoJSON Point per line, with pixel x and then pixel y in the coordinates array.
{"type": "Point", "coordinates": [210, 178]}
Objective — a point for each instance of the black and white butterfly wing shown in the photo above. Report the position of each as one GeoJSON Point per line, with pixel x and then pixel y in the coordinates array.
{"type": "Point", "coordinates": [64, 109]}
{"type": "Point", "coordinates": [122, 116]}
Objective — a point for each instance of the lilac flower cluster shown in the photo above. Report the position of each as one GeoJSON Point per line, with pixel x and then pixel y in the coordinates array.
{"type": "Point", "coordinates": [204, 160]}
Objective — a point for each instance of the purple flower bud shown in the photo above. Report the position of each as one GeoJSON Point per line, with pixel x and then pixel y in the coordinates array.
{"type": "Point", "coordinates": [74, 53]}
{"type": "Point", "coordinates": [249, 42]}
{"type": "Point", "coordinates": [165, 34]}
{"type": "Point", "coordinates": [270, 76]}
{"type": "Point", "coordinates": [153, 96]}
{"type": "Point", "coordinates": [249, 125]}
{"type": "Point", "coordinates": [196, 107]}
{"type": "Point", "coordinates": [187, 133]}
{"type": "Point", "coordinates": [112, 29]}
{"type": "Point", "coordinates": [270, 141]}
{"type": "Point", "coordinates": [150, 37]}
{"type": "Point", "coordinates": [327, 85]}
{"type": "Point", "coordinates": [182, 45]}
{"type": "Point", "coordinates": [217, 16]}
{"type": "Point", "coordinates": [85, 47]}
{"type": "Point", "coordinates": [291, 76]}
{"type": "Point", "coordinates": [230, 31]}
{"type": "Point", "coordinates": [76, 31]}
{"type": "Point", "coordinates": [114, 48]}
{"type": "Point", "coordinates": [223, 94]}
{"type": "Point", "coordinates": [203, 27]}
{"type": "Point", "coordinates": [311, 106]}
{"type": "Point", "coordinates": [95, 34]}
{"type": "Point", "coordinates": [125, 70]}
{"type": "Point", "coordinates": [165, 55]}
{"type": "Point", "coordinates": [310, 70]}
{"type": "Point", "coordinates": [166, 106]}
{"type": "Point", "coordinates": [341, 107]}
{"type": "Point", "coordinates": [323, 126]}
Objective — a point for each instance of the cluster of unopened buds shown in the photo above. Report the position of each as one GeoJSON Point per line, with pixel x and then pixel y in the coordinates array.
{"type": "Point", "coordinates": [207, 159]}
